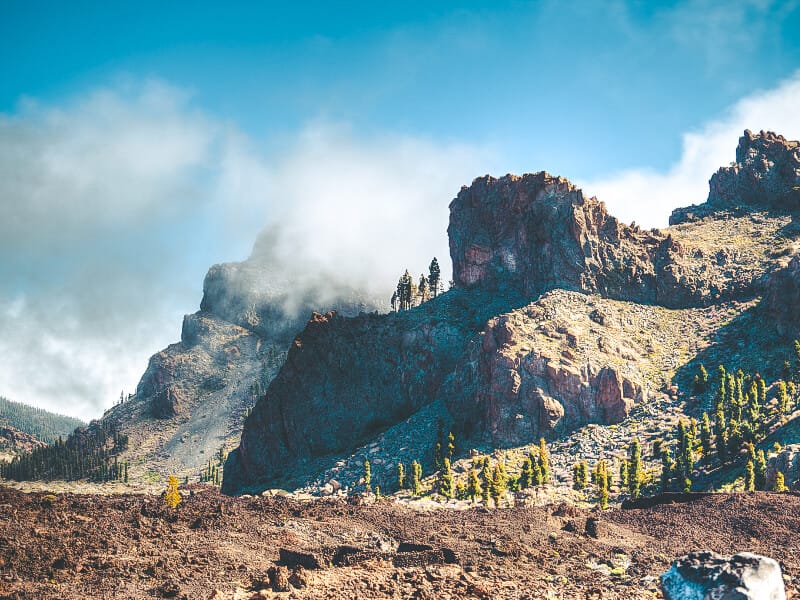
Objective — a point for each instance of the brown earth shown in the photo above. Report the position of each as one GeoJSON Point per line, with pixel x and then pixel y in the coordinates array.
{"type": "Point", "coordinates": [212, 546]}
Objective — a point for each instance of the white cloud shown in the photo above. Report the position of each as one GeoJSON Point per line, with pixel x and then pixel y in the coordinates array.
{"type": "Point", "coordinates": [648, 197]}
{"type": "Point", "coordinates": [115, 205]}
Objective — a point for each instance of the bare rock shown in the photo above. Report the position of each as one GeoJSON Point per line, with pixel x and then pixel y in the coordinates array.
{"type": "Point", "coordinates": [279, 579]}
{"type": "Point", "coordinates": [787, 461]}
{"type": "Point", "coordinates": [782, 298]}
{"type": "Point", "coordinates": [705, 574]}
{"type": "Point", "coordinates": [766, 174]}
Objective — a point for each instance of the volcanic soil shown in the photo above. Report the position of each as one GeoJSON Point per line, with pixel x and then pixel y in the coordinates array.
{"type": "Point", "coordinates": [134, 546]}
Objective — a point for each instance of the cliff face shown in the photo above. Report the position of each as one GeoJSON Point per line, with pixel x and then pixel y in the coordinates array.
{"type": "Point", "coordinates": [562, 317]}
{"type": "Point", "coordinates": [766, 174]}
{"type": "Point", "coordinates": [345, 380]}
{"type": "Point", "coordinates": [782, 299]}
{"type": "Point", "coordinates": [536, 233]}
{"type": "Point", "coordinates": [191, 401]}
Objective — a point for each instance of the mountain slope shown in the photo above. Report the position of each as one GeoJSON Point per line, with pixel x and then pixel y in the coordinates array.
{"type": "Point", "coordinates": [41, 424]}
{"type": "Point", "coordinates": [628, 309]}
{"type": "Point", "coordinates": [191, 401]}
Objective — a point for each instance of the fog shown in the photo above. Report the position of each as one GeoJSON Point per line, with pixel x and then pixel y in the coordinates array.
{"type": "Point", "coordinates": [116, 203]}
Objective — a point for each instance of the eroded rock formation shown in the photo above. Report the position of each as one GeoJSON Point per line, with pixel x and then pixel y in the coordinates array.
{"type": "Point", "coordinates": [509, 360]}
{"type": "Point", "coordinates": [766, 174]}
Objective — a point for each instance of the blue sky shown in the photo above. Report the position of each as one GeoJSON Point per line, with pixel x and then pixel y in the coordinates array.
{"type": "Point", "coordinates": [142, 142]}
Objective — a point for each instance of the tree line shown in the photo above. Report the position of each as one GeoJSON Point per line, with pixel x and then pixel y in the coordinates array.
{"type": "Point", "coordinates": [45, 426]}
{"type": "Point", "coordinates": [89, 453]}
{"type": "Point", "coordinates": [409, 294]}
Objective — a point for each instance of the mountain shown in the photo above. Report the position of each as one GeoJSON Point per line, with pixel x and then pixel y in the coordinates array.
{"type": "Point", "coordinates": [561, 317]}
{"type": "Point", "coordinates": [24, 428]}
{"type": "Point", "coordinates": [191, 401]}
{"type": "Point", "coordinates": [43, 425]}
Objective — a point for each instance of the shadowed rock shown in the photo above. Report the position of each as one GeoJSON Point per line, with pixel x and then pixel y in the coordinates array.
{"type": "Point", "coordinates": [703, 575]}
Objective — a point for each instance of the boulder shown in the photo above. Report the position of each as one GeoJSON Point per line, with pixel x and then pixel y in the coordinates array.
{"type": "Point", "coordinates": [703, 575]}
{"type": "Point", "coordinates": [787, 461]}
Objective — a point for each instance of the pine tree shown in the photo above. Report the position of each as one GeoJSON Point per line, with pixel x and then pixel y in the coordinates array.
{"type": "Point", "coordinates": [422, 289]}
{"type": "Point", "coordinates": [580, 475]}
{"type": "Point", "coordinates": [367, 476]}
{"type": "Point", "coordinates": [780, 483]}
{"type": "Point", "coordinates": [497, 488]}
{"type": "Point", "coordinates": [783, 398]}
{"type": "Point", "coordinates": [538, 478]}
{"type": "Point", "coordinates": [172, 495]}
{"type": "Point", "coordinates": [623, 473]}
{"type": "Point", "coordinates": [749, 477]}
{"type": "Point", "coordinates": [602, 483]}
{"type": "Point", "coordinates": [434, 277]}
{"type": "Point", "coordinates": [701, 380]}
{"type": "Point", "coordinates": [526, 475]}
{"type": "Point", "coordinates": [685, 456]}
{"type": "Point", "coordinates": [451, 445]}
{"type": "Point", "coordinates": [416, 476]}
{"type": "Point", "coordinates": [735, 439]}
{"type": "Point", "coordinates": [722, 389]}
{"type": "Point", "coordinates": [667, 470]}
{"type": "Point", "coordinates": [635, 474]}
{"type": "Point", "coordinates": [486, 472]}
{"type": "Point", "coordinates": [473, 485]}
{"type": "Point", "coordinates": [721, 434]}
{"type": "Point", "coordinates": [446, 480]}
{"type": "Point", "coordinates": [760, 477]}
{"type": "Point", "coordinates": [544, 461]}
{"type": "Point", "coordinates": [401, 476]}
{"type": "Point", "coordinates": [705, 436]}
{"type": "Point", "coordinates": [797, 355]}
{"type": "Point", "coordinates": [762, 389]}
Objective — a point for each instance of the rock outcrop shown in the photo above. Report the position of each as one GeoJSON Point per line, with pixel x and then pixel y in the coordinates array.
{"type": "Point", "coordinates": [766, 174]}
{"type": "Point", "coordinates": [706, 574]}
{"type": "Point", "coordinates": [530, 372]}
{"type": "Point", "coordinates": [782, 298]}
{"type": "Point", "coordinates": [537, 232]}
{"type": "Point", "coordinates": [12, 440]}
{"type": "Point", "coordinates": [191, 401]}
{"type": "Point", "coordinates": [347, 380]}
{"type": "Point", "coordinates": [561, 316]}
{"type": "Point", "coordinates": [787, 461]}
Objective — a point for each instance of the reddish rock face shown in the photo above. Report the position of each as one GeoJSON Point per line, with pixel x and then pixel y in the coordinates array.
{"type": "Point", "coordinates": [536, 233]}
{"type": "Point", "coordinates": [516, 387]}
{"type": "Point", "coordinates": [502, 351]}
{"type": "Point", "coordinates": [766, 174]}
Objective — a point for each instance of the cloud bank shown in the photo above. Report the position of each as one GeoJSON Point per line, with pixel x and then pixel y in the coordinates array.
{"type": "Point", "coordinates": [116, 203]}
{"type": "Point", "coordinates": [648, 197]}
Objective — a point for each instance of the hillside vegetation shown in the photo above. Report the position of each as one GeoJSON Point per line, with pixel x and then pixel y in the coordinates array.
{"type": "Point", "coordinates": [41, 424]}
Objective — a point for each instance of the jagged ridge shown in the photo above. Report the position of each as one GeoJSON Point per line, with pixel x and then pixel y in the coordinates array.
{"type": "Point", "coordinates": [511, 240]}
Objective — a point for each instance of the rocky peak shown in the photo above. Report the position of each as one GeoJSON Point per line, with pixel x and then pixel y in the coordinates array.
{"type": "Point", "coordinates": [536, 233]}
{"type": "Point", "coordinates": [766, 174]}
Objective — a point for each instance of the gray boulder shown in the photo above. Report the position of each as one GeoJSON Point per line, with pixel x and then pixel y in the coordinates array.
{"type": "Point", "coordinates": [706, 575]}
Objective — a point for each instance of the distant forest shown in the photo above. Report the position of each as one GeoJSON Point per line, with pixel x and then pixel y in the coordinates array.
{"type": "Point", "coordinates": [41, 424]}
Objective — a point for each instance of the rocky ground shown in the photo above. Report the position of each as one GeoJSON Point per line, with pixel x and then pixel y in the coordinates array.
{"type": "Point", "coordinates": [133, 546]}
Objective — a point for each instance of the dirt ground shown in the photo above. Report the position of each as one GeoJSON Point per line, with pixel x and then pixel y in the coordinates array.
{"type": "Point", "coordinates": [134, 546]}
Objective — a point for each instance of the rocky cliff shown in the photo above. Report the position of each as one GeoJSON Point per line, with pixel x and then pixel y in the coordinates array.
{"type": "Point", "coordinates": [509, 361]}
{"type": "Point", "coordinates": [191, 401]}
{"type": "Point", "coordinates": [782, 298]}
{"type": "Point", "coordinates": [766, 174]}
